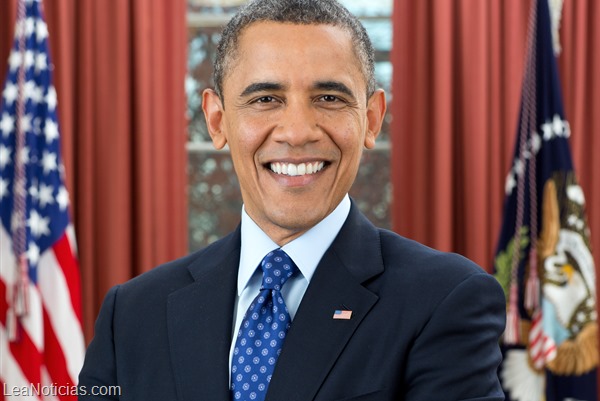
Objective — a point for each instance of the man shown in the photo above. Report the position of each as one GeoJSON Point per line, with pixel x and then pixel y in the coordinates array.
{"type": "Point", "coordinates": [338, 309]}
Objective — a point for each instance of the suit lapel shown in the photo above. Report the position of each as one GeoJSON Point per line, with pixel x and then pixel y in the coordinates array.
{"type": "Point", "coordinates": [315, 339]}
{"type": "Point", "coordinates": [200, 324]}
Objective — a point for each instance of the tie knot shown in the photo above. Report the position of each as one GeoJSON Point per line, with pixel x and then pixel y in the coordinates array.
{"type": "Point", "coordinates": [277, 267]}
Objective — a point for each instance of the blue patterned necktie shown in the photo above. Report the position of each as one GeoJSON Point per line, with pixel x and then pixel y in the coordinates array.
{"type": "Point", "coordinates": [262, 332]}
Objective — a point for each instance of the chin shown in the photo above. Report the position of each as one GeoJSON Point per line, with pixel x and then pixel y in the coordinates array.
{"type": "Point", "coordinates": [292, 220]}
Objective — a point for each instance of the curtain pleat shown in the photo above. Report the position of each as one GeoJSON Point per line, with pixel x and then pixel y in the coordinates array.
{"type": "Point", "coordinates": [458, 69]}
{"type": "Point", "coordinates": [579, 66]}
{"type": "Point", "coordinates": [456, 87]}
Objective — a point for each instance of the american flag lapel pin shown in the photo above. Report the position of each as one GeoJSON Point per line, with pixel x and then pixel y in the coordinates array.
{"type": "Point", "coordinates": [342, 314]}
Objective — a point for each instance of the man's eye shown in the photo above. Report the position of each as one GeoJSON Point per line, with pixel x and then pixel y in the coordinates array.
{"type": "Point", "coordinates": [329, 98]}
{"type": "Point", "coordinates": [265, 99]}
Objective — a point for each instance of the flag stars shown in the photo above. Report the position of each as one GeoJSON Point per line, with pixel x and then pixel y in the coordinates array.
{"type": "Point", "coordinates": [49, 162]}
{"type": "Point", "coordinates": [34, 192]}
{"type": "Point", "coordinates": [29, 26]}
{"type": "Point", "coordinates": [519, 167]}
{"type": "Point", "coordinates": [10, 93]}
{"type": "Point", "coordinates": [29, 90]}
{"type": "Point", "coordinates": [556, 128]}
{"type": "Point", "coordinates": [46, 195]}
{"type": "Point", "coordinates": [547, 130]}
{"type": "Point", "coordinates": [559, 126]}
{"type": "Point", "coordinates": [41, 30]}
{"type": "Point", "coordinates": [51, 98]}
{"type": "Point", "coordinates": [29, 103]}
{"type": "Point", "coordinates": [534, 144]}
{"type": "Point", "coordinates": [29, 59]}
{"type": "Point", "coordinates": [4, 156]}
{"type": "Point", "coordinates": [36, 95]}
{"type": "Point", "coordinates": [38, 224]}
{"type": "Point", "coordinates": [41, 62]}
{"type": "Point", "coordinates": [14, 60]}
{"type": "Point", "coordinates": [33, 253]}
{"type": "Point", "coordinates": [7, 124]}
{"type": "Point", "coordinates": [51, 130]}
{"type": "Point", "coordinates": [62, 199]}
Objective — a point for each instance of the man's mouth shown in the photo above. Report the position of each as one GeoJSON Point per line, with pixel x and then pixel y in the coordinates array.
{"type": "Point", "coordinates": [294, 170]}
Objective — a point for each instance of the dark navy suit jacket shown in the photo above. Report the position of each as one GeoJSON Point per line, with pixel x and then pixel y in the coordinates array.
{"type": "Point", "coordinates": [425, 326]}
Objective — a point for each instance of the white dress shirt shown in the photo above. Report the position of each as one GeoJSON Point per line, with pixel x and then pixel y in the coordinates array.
{"type": "Point", "coordinates": [306, 251]}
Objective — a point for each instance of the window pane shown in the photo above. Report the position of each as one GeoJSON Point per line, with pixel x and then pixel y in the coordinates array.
{"type": "Point", "coordinates": [201, 52]}
{"type": "Point", "coordinates": [214, 197]}
{"type": "Point", "coordinates": [213, 6]}
{"type": "Point", "coordinates": [369, 8]}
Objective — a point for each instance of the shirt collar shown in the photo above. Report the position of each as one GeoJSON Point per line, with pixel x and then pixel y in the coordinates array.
{"type": "Point", "coordinates": [306, 251]}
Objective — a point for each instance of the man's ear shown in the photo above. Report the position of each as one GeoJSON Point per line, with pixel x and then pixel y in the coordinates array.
{"type": "Point", "coordinates": [375, 112]}
{"type": "Point", "coordinates": [213, 112]}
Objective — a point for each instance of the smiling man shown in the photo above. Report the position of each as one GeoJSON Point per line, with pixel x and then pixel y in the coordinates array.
{"type": "Point", "coordinates": [296, 112]}
{"type": "Point", "coordinates": [306, 300]}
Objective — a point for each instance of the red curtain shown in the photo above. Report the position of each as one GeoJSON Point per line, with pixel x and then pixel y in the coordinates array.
{"type": "Point", "coordinates": [456, 89]}
{"type": "Point", "coordinates": [579, 65]}
{"type": "Point", "coordinates": [457, 79]}
{"type": "Point", "coordinates": [119, 72]}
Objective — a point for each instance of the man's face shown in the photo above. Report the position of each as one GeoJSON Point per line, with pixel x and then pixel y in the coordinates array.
{"type": "Point", "coordinates": [296, 118]}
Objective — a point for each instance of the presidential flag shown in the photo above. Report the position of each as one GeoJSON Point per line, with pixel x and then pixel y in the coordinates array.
{"type": "Point", "coordinates": [41, 338]}
{"type": "Point", "coordinates": [543, 258]}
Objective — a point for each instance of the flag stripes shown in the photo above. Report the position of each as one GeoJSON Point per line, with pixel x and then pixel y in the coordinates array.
{"type": "Point", "coordinates": [541, 347]}
{"type": "Point", "coordinates": [41, 336]}
{"type": "Point", "coordinates": [40, 345]}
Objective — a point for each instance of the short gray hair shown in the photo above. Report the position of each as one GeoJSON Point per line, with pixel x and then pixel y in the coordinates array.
{"type": "Point", "coordinates": [302, 12]}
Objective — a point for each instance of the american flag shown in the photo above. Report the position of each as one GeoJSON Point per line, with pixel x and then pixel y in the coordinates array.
{"type": "Point", "coordinates": [41, 339]}
{"type": "Point", "coordinates": [543, 259]}
{"type": "Point", "coordinates": [342, 314]}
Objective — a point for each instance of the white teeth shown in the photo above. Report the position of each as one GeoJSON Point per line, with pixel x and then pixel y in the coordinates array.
{"type": "Point", "coordinates": [292, 169]}
{"type": "Point", "coordinates": [296, 169]}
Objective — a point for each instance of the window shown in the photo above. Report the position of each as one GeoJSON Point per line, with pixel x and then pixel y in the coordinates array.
{"type": "Point", "coordinates": [213, 194]}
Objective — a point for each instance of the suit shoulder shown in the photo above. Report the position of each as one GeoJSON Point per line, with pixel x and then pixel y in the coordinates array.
{"type": "Point", "coordinates": [416, 260]}
{"type": "Point", "coordinates": [174, 274]}
{"type": "Point", "coordinates": [415, 274]}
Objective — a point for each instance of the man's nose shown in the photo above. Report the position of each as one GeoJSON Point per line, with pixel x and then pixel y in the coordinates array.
{"type": "Point", "coordinates": [299, 124]}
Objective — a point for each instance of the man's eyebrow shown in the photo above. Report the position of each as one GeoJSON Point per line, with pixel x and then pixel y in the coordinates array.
{"type": "Point", "coordinates": [261, 87]}
{"type": "Point", "coordinates": [333, 86]}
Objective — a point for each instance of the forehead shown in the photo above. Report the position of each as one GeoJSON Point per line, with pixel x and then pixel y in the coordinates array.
{"type": "Point", "coordinates": [284, 49]}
